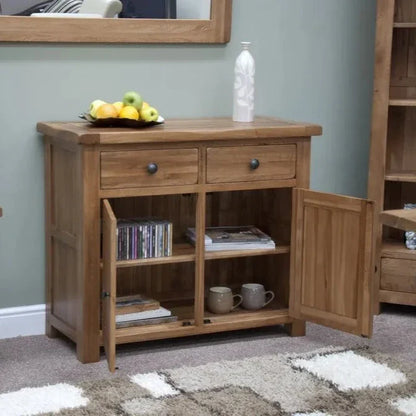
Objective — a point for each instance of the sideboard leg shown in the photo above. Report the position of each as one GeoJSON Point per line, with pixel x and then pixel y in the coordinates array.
{"type": "Point", "coordinates": [88, 353]}
{"type": "Point", "coordinates": [51, 331]}
{"type": "Point", "coordinates": [296, 329]}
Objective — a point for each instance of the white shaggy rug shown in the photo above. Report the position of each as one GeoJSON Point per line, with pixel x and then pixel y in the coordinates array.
{"type": "Point", "coordinates": [326, 382]}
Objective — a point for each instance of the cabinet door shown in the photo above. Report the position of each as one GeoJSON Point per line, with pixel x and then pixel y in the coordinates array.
{"type": "Point", "coordinates": [109, 285]}
{"type": "Point", "coordinates": [331, 261]}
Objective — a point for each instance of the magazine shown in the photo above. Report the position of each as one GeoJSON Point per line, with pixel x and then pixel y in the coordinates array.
{"type": "Point", "coordinates": [233, 238]}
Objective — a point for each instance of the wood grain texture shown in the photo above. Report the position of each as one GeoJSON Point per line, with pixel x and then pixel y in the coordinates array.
{"type": "Point", "coordinates": [232, 164]}
{"type": "Point", "coordinates": [130, 169]}
{"type": "Point", "coordinates": [397, 250]}
{"type": "Point", "coordinates": [183, 130]}
{"type": "Point", "coordinates": [75, 30]}
{"type": "Point", "coordinates": [404, 219]}
{"type": "Point", "coordinates": [398, 275]}
{"type": "Point", "coordinates": [400, 298]}
{"type": "Point", "coordinates": [332, 266]}
{"type": "Point", "coordinates": [405, 11]}
{"type": "Point", "coordinates": [379, 125]}
{"type": "Point", "coordinates": [178, 282]}
{"type": "Point", "coordinates": [109, 284]}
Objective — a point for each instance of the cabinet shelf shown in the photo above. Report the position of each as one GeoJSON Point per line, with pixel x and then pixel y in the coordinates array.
{"type": "Point", "coordinates": [239, 319]}
{"type": "Point", "coordinates": [404, 25]}
{"type": "Point", "coordinates": [403, 219]}
{"type": "Point", "coordinates": [402, 102]}
{"type": "Point", "coordinates": [183, 253]}
{"type": "Point", "coordinates": [397, 250]}
{"type": "Point", "coordinates": [401, 176]}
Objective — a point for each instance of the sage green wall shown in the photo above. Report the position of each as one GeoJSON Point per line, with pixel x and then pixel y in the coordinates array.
{"type": "Point", "coordinates": [314, 63]}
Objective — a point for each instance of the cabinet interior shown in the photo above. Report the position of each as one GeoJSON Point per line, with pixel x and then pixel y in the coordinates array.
{"type": "Point", "coordinates": [173, 282]}
{"type": "Point", "coordinates": [403, 64]}
{"type": "Point", "coordinates": [405, 11]}
{"type": "Point", "coordinates": [396, 195]}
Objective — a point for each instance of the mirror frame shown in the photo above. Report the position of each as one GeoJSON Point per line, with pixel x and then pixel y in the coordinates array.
{"type": "Point", "coordinates": [84, 30]}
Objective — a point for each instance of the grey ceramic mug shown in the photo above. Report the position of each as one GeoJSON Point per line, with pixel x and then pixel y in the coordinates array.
{"type": "Point", "coordinates": [221, 299]}
{"type": "Point", "coordinates": [254, 296]}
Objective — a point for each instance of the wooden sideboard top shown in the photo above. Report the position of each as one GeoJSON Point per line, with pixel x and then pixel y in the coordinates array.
{"type": "Point", "coordinates": [179, 130]}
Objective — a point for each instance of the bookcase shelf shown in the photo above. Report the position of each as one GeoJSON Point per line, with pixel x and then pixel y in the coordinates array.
{"type": "Point", "coordinates": [397, 249]}
{"type": "Point", "coordinates": [401, 176]}
{"type": "Point", "coordinates": [392, 174]}
{"type": "Point", "coordinates": [402, 102]}
{"type": "Point", "coordinates": [404, 25]}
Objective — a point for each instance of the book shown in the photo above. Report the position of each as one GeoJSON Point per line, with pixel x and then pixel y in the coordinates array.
{"type": "Point", "coordinates": [154, 313]}
{"type": "Point", "coordinates": [148, 321]}
{"type": "Point", "coordinates": [246, 237]}
{"type": "Point", "coordinates": [135, 303]}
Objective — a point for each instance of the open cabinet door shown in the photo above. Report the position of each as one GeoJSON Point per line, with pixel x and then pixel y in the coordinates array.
{"type": "Point", "coordinates": [109, 285]}
{"type": "Point", "coordinates": [331, 261]}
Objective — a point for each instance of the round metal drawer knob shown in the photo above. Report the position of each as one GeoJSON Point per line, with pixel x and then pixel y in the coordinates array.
{"type": "Point", "coordinates": [254, 164]}
{"type": "Point", "coordinates": [152, 168]}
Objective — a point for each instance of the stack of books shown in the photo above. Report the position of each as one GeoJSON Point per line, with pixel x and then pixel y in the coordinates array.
{"type": "Point", "coordinates": [143, 238]}
{"type": "Point", "coordinates": [247, 237]}
{"type": "Point", "coordinates": [140, 310]}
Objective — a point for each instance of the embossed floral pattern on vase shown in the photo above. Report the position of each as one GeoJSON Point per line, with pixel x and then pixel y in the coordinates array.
{"type": "Point", "coordinates": [244, 72]}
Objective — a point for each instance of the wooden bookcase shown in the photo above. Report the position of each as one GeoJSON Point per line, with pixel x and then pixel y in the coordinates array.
{"type": "Point", "coordinates": [392, 169]}
{"type": "Point", "coordinates": [321, 269]}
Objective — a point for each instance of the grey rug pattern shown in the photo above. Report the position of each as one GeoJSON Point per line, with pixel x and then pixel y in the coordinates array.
{"type": "Point", "coordinates": [250, 372]}
{"type": "Point", "coordinates": [264, 385]}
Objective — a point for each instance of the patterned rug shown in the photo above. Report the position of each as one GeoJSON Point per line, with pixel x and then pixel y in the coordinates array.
{"type": "Point", "coordinates": [326, 382]}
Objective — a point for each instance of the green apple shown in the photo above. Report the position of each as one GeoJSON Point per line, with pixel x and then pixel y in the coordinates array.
{"type": "Point", "coordinates": [134, 99]}
{"type": "Point", "coordinates": [149, 114]}
{"type": "Point", "coordinates": [94, 107]}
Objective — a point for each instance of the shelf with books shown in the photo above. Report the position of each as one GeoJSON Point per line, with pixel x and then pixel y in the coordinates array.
{"type": "Point", "coordinates": [181, 253]}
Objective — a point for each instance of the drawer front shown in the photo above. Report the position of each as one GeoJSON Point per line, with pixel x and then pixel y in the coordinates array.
{"type": "Point", "coordinates": [251, 163]}
{"type": "Point", "coordinates": [398, 275]}
{"type": "Point", "coordinates": [129, 169]}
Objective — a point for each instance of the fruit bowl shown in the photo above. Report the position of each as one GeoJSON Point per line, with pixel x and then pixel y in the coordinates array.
{"type": "Point", "coordinates": [120, 122]}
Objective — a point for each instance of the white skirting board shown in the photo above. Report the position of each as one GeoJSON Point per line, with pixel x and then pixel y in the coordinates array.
{"type": "Point", "coordinates": [22, 321]}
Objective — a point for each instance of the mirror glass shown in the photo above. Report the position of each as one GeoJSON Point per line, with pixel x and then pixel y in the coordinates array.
{"type": "Point", "coordinates": [154, 9]}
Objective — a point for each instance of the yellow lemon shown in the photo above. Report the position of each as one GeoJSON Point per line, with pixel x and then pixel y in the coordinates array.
{"type": "Point", "coordinates": [106, 111]}
{"type": "Point", "coordinates": [129, 111]}
{"type": "Point", "coordinates": [118, 106]}
{"type": "Point", "coordinates": [145, 105]}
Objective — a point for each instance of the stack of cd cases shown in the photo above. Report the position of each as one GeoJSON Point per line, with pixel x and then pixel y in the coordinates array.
{"type": "Point", "coordinates": [142, 238]}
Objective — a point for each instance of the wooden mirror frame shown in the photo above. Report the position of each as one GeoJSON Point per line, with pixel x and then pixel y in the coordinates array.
{"type": "Point", "coordinates": [81, 30]}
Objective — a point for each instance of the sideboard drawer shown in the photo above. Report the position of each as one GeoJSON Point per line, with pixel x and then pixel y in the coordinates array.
{"type": "Point", "coordinates": [398, 275]}
{"type": "Point", "coordinates": [251, 163]}
{"type": "Point", "coordinates": [149, 168]}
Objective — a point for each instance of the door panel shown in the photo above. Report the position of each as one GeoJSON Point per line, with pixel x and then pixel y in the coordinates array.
{"type": "Point", "coordinates": [331, 255]}
{"type": "Point", "coordinates": [109, 285]}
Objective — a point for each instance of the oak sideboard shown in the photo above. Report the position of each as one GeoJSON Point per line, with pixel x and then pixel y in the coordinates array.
{"type": "Point", "coordinates": [198, 173]}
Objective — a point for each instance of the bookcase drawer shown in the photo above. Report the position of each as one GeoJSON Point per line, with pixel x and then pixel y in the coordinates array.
{"type": "Point", "coordinates": [398, 275]}
{"type": "Point", "coordinates": [143, 168]}
{"type": "Point", "coordinates": [251, 163]}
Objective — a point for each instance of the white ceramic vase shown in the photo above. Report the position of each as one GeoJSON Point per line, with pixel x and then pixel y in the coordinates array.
{"type": "Point", "coordinates": [244, 71]}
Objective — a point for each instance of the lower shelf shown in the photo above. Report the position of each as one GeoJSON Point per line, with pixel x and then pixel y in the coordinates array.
{"type": "Point", "coordinates": [400, 298]}
{"type": "Point", "coordinates": [397, 250]}
{"type": "Point", "coordinates": [238, 319]}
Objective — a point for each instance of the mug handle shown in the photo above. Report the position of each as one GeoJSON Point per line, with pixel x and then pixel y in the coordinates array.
{"type": "Point", "coordinates": [269, 292]}
{"type": "Point", "coordinates": [239, 302]}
